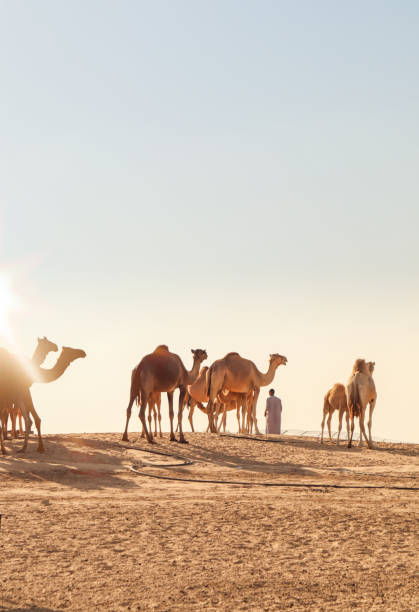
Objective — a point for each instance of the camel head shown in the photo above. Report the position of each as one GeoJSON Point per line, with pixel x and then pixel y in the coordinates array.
{"type": "Point", "coordinates": [371, 366]}
{"type": "Point", "coordinates": [277, 359]}
{"type": "Point", "coordinates": [47, 345]}
{"type": "Point", "coordinates": [71, 354]}
{"type": "Point", "coordinates": [199, 355]}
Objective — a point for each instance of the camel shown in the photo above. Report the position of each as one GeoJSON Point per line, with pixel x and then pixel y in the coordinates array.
{"type": "Point", "coordinates": [234, 373]}
{"type": "Point", "coordinates": [335, 399]}
{"type": "Point", "coordinates": [162, 371]}
{"type": "Point", "coordinates": [15, 383]}
{"type": "Point", "coordinates": [360, 391]}
{"type": "Point", "coordinates": [196, 395]}
{"type": "Point", "coordinates": [43, 348]}
{"type": "Point", "coordinates": [230, 400]}
{"type": "Point", "coordinates": [154, 404]}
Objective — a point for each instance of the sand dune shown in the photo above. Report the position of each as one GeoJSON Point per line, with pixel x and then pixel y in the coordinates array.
{"type": "Point", "coordinates": [80, 531]}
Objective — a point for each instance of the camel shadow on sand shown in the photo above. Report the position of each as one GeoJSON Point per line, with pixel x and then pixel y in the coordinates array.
{"type": "Point", "coordinates": [80, 463]}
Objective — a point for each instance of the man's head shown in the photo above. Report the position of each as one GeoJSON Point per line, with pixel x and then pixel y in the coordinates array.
{"type": "Point", "coordinates": [271, 391]}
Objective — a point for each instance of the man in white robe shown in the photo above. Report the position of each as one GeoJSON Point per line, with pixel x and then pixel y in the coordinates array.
{"type": "Point", "coordinates": [273, 413]}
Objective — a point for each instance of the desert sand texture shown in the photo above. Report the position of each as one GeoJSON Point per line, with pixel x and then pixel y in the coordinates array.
{"type": "Point", "coordinates": [80, 531]}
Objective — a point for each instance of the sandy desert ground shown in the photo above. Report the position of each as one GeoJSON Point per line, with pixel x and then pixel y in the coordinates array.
{"type": "Point", "coordinates": [80, 531]}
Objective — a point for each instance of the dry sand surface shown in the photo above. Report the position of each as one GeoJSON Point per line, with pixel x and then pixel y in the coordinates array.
{"type": "Point", "coordinates": [80, 531]}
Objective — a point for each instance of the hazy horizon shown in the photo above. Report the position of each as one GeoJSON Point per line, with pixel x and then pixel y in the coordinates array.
{"type": "Point", "coordinates": [227, 176]}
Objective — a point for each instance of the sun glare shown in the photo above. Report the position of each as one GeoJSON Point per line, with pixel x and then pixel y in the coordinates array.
{"type": "Point", "coordinates": [8, 304]}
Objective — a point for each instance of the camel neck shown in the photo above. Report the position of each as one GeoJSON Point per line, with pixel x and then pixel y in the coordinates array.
{"type": "Point", "coordinates": [192, 374]}
{"type": "Point", "coordinates": [265, 379]}
{"type": "Point", "coordinates": [47, 376]}
{"type": "Point", "coordinates": [39, 355]}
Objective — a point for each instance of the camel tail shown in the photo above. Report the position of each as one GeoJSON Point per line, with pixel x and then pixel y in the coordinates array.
{"type": "Point", "coordinates": [134, 389]}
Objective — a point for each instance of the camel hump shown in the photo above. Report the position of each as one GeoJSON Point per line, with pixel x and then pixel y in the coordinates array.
{"type": "Point", "coordinates": [231, 355]}
{"type": "Point", "coordinates": [162, 348]}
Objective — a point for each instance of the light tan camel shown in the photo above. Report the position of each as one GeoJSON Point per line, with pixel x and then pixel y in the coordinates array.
{"type": "Point", "coordinates": [43, 348]}
{"type": "Point", "coordinates": [162, 371]}
{"type": "Point", "coordinates": [15, 383]}
{"type": "Point", "coordinates": [335, 399]}
{"type": "Point", "coordinates": [196, 395]}
{"type": "Point", "coordinates": [361, 391]}
{"type": "Point", "coordinates": [229, 400]}
{"type": "Point", "coordinates": [234, 373]}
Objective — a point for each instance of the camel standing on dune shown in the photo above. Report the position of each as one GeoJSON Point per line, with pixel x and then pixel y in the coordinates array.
{"type": "Point", "coordinates": [15, 383]}
{"type": "Point", "coordinates": [360, 391]}
{"type": "Point", "coordinates": [162, 371]}
{"type": "Point", "coordinates": [335, 399]}
{"type": "Point", "coordinates": [43, 348]}
{"type": "Point", "coordinates": [234, 373]}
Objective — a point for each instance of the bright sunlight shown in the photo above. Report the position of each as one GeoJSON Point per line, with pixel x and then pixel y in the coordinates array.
{"type": "Point", "coordinates": [8, 303]}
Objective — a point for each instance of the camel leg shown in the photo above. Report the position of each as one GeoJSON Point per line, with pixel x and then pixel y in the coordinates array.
{"type": "Point", "coordinates": [210, 409]}
{"type": "Point", "coordinates": [2, 447]}
{"type": "Point", "coordinates": [238, 417]}
{"type": "Point", "coordinates": [340, 425]}
{"type": "Point", "coordinates": [28, 423]}
{"type": "Point", "coordinates": [171, 414]}
{"type": "Point", "coordinates": [329, 421]}
{"type": "Point", "coordinates": [325, 411]}
{"type": "Point", "coordinates": [27, 398]}
{"type": "Point", "coordinates": [372, 406]}
{"type": "Point", "coordinates": [3, 425]}
{"type": "Point", "coordinates": [159, 417]}
{"type": "Point", "coordinates": [182, 393]}
{"type": "Point", "coordinates": [20, 423]}
{"type": "Point", "coordinates": [125, 434]}
{"type": "Point", "coordinates": [190, 417]}
{"type": "Point", "coordinates": [352, 430]}
{"type": "Point", "coordinates": [143, 407]}
{"type": "Point", "coordinates": [347, 423]}
{"type": "Point", "coordinates": [362, 428]}
{"type": "Point", "coordinates": [254, 403]}
{"type": "Point", "coordinates": [150, 418]}
{"type": "Point", "coordinates": [13, 418]}
{"type": "Point", "coordinates": [224, 419]}
{"type": "Point", "coordinates": [245, 420]}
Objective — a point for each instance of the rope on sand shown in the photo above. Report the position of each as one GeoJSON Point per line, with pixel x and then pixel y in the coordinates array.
{"type": "Point", "coordinates": [134, 469]}
{"type": "Point", "coordinates": [185, 460]}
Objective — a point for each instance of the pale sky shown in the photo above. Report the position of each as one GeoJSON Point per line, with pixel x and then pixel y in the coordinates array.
{"type": "Point", "coordinates": [228, 175]}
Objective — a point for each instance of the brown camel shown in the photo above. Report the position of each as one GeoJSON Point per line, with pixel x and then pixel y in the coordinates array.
{"type": "Point", "coordinates": [234, 373]}
{"type": "Point", "coordinates": [361, 391]}
{"type": "Point", "coordinates": [43, 348]}
{"type": "Point", "coordinates": [162, 371]}
{"type": "Point", "coordinates": [335, 399]}
{"type": "Point", "coordinates": [16, 378]}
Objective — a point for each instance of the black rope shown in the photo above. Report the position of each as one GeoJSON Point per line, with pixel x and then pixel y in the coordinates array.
{"type": "Point", "coordinates": [133, 468]}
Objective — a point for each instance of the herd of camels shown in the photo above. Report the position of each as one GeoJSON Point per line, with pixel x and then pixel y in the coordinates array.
{"type": "Point", "coordinates": [231, 383]}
